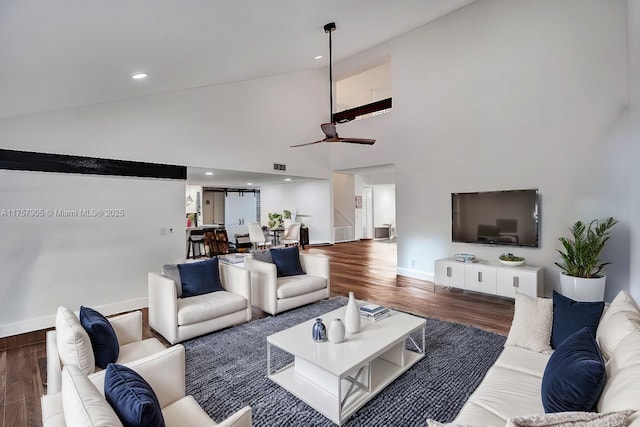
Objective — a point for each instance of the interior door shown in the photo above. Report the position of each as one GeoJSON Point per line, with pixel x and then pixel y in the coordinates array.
{"type": "Point", "coordinates": [239, 211]}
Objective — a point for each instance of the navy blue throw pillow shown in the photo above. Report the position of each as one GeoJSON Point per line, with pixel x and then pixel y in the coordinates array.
{"type": "Point", "coordinates": [104, 340]}
{"type": "Point", "coordinates": [570, 316]}
{"type": "Point", "coordinates": [131, 397]}
{"type": "Point", "coordinates": [200, 277]}
{"type": "Point", "coordinates": [574, 376]}
{"type": "Point", "coordinates": [287, 261]}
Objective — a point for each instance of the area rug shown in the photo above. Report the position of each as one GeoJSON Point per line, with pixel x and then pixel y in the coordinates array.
{"type": "Point", "coordinates": [226, 371]}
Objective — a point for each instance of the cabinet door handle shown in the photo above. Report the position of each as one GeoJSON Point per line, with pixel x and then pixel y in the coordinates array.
{"type": "Point", "coordinates": [448, 271]}
{"type": "Point", "coordinates": [516, 281]}
{"type": "Point", "coordinates": [480, 276]}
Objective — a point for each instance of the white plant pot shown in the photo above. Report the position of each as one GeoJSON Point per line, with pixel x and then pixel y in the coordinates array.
{"type": "Point", "coordinates": [581, 289]}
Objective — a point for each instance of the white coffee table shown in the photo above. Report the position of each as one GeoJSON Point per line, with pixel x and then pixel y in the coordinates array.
{"type": "Point", "coordinates": [338, 379]}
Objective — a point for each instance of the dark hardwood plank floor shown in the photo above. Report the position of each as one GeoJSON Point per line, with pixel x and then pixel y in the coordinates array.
{"type": "Point", "coordinates": [368, 268]}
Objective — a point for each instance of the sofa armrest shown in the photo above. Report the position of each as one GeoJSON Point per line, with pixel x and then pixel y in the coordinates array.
{"type": "Point", "coordinates": [264, 285]}
{"type": "Point", "coordinates": [163, 306]}
{"type": "Point", "coordinates": [164, 371]}
{"type": "Point", "coordinates": [316, 265]}
{"type": "Point", "coordinates": [128, 327]}
{"type": "Point", "coordinates": [242, 418]}
{"type": "Point", "coordinates": [236, 280]}
{"type": "Point", "coordinates": [54, 366]}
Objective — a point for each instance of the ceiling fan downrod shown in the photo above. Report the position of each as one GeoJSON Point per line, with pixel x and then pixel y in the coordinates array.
{"type": "Point", "coordinates": [329, 28]}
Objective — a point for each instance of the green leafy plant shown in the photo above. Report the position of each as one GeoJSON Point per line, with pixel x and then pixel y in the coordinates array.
{"type": "Point", "coordinates": [275, 220]}
{"type": "Point", "coordinates": [580, 257]}
{"type": "Point", "coordinates": [510, 257]}
{"type": "Point", "coordinates": [287, 214]}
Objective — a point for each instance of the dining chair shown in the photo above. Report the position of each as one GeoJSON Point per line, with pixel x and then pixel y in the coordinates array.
{"type": "Point", "coordinates": [257, 236]}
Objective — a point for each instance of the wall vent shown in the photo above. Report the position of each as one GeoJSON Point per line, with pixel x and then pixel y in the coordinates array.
{"type": "Point", "coordinates": [279, 167]}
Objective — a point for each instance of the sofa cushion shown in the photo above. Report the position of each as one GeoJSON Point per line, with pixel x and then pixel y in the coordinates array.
{"type": "Point", "coordinates": [74, 345]}
{"type": "Point", "coordinates": [570, 419]}
{"type": "Point", "coordinates": [523, 360]}
{"type": "Point", "coordinates": [502, 394]}
{"type": "Point", "coordinates": [293, 286]}
{"type": "Point", "coordinates": [622, 388]}
{"type": "Point", "coordinates": [139, 349]}
{"type": "Point", "coordinates": [574, 376]}
{"type": "Point", "coordinates": [82, 403]}
{"type": "Point", "coordinates": [287, 261]}
{"type": "Point", "coordinates": [570, 316]}
{"type": "Point", "coordinates": [103, 338]}
{"type": "Point", "coordinates": [131, 397]}
{"type": "Point", "coordinates": [199, 278]}
{"type": "Point", "coordinates": [170, 271]}
{"type": "Point", "coordinates": [186, 412]}
{"type": "Point", "coordinates": [209, 306]}
{"type": "Point", "coordinates": [620, 319]}
{"type": "Point", "coordinates": [531, 325]}
{"type": "Point", "coordinates": [263, 255]}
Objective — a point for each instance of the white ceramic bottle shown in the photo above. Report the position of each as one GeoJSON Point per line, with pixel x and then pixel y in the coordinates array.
{"type": "Point", "coordinates": [336, 331]}
{"type": "Point", "coordinates": [352, 316]}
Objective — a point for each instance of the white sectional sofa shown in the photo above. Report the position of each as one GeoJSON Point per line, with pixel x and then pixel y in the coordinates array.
{"type": "Point", "coordinates": [510, 393]}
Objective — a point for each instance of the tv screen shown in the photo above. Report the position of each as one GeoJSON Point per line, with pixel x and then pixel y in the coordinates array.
{"type": "Point", "coordinates": [496, 217]}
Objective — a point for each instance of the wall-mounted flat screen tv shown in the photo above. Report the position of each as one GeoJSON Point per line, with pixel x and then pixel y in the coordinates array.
{"type": "Point", "coordinates": [508, 217]}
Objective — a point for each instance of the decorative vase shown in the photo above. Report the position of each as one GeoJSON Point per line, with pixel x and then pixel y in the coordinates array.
{"type": "Point", "coordinates": [582, 289]}
{"type": "Point", "coordinates": [352, 316]}
{"type": "Point", "coordinates": [319, 331]}
{"type": "Point", "coordinates": [336, 331]}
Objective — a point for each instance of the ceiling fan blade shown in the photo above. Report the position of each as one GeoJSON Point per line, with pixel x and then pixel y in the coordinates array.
{"type": "Point", "coordinates": [307, 143]}
{"type": "Point", "coordinates": [365, 141]}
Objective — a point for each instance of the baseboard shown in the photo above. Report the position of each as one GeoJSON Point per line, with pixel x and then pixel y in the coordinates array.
{"type": "Point", "coordinates": [47, 322]}
{"type": "Point", "coordinates": [416, 274]}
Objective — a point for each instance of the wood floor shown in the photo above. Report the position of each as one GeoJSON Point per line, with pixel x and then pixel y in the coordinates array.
{"type": "Point", "coordinates": [367, 268]}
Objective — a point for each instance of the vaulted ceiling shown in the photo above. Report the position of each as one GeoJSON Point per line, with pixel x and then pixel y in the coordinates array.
{"type": "Point", "coordinates": [65, 53]}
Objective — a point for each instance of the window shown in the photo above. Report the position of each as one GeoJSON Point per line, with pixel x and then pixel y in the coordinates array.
{"type": "Point", "coordinates": [364, 94]}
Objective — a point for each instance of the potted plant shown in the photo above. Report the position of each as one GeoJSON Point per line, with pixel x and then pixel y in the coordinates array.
{"type": "Point", "coordinates": [581, 277]}
{"type": "Point", "coordinates": [275, 220]}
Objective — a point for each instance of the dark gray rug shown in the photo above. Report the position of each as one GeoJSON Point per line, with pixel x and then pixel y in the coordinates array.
{"type": "Point", "coordinates": [226, 370]}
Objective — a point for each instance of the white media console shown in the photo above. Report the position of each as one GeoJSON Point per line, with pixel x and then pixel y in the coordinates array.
{"type": "Point", "coordinates": [490, 277]}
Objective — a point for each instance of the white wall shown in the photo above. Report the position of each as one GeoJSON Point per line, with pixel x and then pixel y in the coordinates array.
{"type": "Point", "coordinates": [384, 204]}
{"type": "Point", "coordinates": [500, 95]}
{"type": "Point", "coordinates": [50, 258]}
{"type": "Point", "coordinates": [310, 198]}
{"type": "Point", "coordinates": [343, 200]}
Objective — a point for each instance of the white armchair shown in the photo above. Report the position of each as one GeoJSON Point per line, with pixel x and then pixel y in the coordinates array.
{"type": "Point", "coordinates": [178, 319]}
{"type": "Point", "coordinates": [70, 342]}
{"type": "Point", "coordinates": [274, 294]}
{"type": "Point", "coordinates": [164, 372]}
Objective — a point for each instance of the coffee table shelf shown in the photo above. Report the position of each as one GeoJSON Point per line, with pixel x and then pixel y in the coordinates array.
{"type": "Point", "coordinates": [338, 379]}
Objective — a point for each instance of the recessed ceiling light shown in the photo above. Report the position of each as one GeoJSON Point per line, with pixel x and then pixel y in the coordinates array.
{"type": "Point", "coordinates": [139, 76]}
{"type": "Point", "coordinates": [208, 173]}
{"type": "Point", "coordinates": [317, 57]}
{"type": "Point", "coordinates": [249, 183]}
{"type": "Point", "coordinates": [287, 179]}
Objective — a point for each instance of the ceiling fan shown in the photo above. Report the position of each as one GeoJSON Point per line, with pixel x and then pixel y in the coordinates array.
{"type": "Point", "coordinates": [329, 129]}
